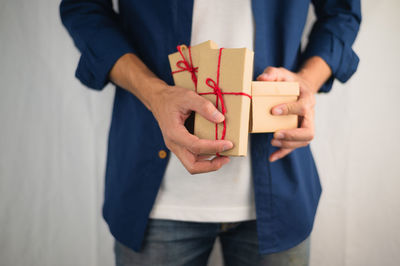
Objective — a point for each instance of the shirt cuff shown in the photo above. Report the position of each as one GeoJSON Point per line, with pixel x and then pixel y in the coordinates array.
{"type": "Point", "coordinates": [340, 57]}
{"type": "Point", "coordinates": [100, 55]}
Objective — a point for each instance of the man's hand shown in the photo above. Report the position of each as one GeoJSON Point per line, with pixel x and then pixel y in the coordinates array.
{"type": "Point", "coordinates": [291, 139]}
{"type": "Point", "coordinates": [171, 106]}
{"type": "Point", "coordinates": [312, 75]}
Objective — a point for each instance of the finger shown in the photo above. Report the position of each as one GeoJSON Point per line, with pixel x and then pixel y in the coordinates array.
{"type": "Point", "coordinates": [204, 157]}
{"type": "Point", "coordinates": [275, 74]}
{"type": "Point", "coordinates": [297, 134]}
{"type": "Point", "coordinates": [295, 108]}
{"type": "Point", "coordinates": [279, 154]}
{"type": "Point", "coordinates": [306, 101]}
{"type": "Point", "coordinates": [195, 166]}
{"type": "Point", "coordinates": [209, 165]}
{"type": "Point", "coordinates": [308, 120]}
{"type": "Point", "coordinates": [205, 108]}
{"type": "Point", "coordinates": [289, 144]}
{"type": "Point", "coordinates": [198, 146]}
{"type": "Point", "coordinates": [270, 74]}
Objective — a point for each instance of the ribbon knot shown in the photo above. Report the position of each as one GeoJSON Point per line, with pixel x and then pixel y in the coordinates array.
{"type": "Point", "coordinates": [184, 65]}
{"type": "Point", "coordinates": [218, 93]}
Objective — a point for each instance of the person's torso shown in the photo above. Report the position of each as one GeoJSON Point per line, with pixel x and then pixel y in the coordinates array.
{"type": "Point", "coordinates": [286, 191]}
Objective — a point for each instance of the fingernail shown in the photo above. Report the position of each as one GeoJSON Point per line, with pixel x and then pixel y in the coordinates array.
{"type": "Point", "coordinates": [218, 117]}
{"type": "Point", "coordinates": [279, 135]}
{"type": "Point", "coordinates": [273, 159]}
{"type": "Point", "coordinates": [227, 146]}
{"type": "Point", "coordinates": [276, 143]}
{"type": "Point", "coordinates": [277, 111]}
{"type": "Point", "coordinates": [264, 76]}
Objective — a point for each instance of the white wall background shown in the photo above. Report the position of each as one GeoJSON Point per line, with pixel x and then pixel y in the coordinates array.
{"type": "Point", "coordinates": [53, 141]}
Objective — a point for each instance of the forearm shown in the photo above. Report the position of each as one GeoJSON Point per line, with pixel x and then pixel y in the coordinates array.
{"type": "Point", "coordinates": [316, 72]}
{"type": "Point", "coordinates": [130, 73]}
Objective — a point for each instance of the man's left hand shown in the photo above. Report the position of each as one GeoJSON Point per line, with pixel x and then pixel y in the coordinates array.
{"type": "Point", "coordinates": [288, 140]}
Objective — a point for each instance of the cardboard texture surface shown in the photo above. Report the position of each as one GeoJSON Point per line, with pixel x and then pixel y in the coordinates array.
{"type": "Point", "coordinates": [236, 71]}
{"type": "Point", "coordinates": [267, 95]}
{"type": "Point", "coordinates": [184, 78]}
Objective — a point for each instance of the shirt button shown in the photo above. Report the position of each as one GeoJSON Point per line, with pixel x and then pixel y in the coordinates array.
{"type": "Point", "coordinates": [162, 154]}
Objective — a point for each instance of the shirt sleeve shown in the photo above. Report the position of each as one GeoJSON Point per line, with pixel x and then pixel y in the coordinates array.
{"type": "Point", "coordinates": [96, 31]}
{"type": "Point", "coordinates": [332, 37]}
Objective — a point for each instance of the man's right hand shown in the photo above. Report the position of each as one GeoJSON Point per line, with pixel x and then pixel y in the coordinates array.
{"type": "Point", "coordinates": [171, 106]}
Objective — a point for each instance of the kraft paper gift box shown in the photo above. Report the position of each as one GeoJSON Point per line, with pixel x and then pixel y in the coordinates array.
{"type": "Point", "coordinates": [234, 83]}
{"type": "Point", "coordinates": [184, 63]}
{"type": "Point", "coordinates": [184, 69]}
{"type": "Point", "coordinates": [266, 95]}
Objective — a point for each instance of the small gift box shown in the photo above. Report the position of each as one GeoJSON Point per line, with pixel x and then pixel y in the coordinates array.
{"type": "Point", "coordinates": [266, 95]}
{"type": "Point", "coordinates": [184, 63]}
{"type": "Point", "coordinates": [224, 78]}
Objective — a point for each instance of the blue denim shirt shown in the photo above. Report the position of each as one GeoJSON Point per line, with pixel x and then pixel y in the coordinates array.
{"type": "Point", "coordinates": [287, 191]}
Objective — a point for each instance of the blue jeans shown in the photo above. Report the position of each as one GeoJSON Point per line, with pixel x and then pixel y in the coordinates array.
{"type": "Point", "coordinates": [176, 243]}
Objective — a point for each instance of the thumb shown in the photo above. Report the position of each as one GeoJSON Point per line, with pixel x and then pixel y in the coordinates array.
{"type": "Point", "coordinates": [294, 108]}
{"type": "Point", "coordinates": [206, 109]}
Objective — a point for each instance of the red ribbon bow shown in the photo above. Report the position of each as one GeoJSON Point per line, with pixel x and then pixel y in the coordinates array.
{"type": "Point", "coordinates": [184, 65]}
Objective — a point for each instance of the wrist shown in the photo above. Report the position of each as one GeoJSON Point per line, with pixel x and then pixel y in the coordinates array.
{"type": "Point", "coordinates": [307, 78]}
{"type": "Point", "coordinates": [315, 72]}
{"type": "Point", "coordinates": [147, 89]}
{"type": "Point", "coordinates": [131, 73]}
{"type": "Point", "coordinates": [154, 92]}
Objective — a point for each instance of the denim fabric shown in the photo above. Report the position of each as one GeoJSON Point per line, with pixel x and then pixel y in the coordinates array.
{"type": "Point", "coordinates": [176, 243]}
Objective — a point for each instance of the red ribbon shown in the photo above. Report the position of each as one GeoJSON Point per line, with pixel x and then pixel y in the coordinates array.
{"type": "Point", "coordinates": [184, 65]}
{"type": "Point", "coordinates": [219, 94]}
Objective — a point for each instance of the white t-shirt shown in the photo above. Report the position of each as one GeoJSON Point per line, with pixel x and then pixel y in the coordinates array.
{"type": "Point", "coordinates": [226, 195]}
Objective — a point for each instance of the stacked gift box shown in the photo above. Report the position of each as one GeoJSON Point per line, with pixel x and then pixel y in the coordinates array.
{"type": "Point", "coordinates": [224, 77]}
